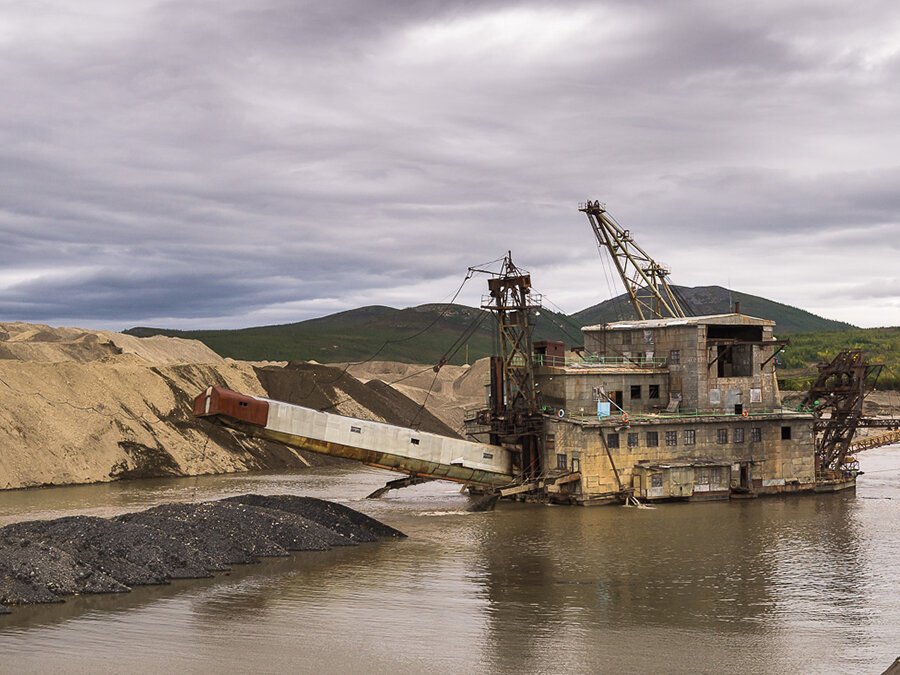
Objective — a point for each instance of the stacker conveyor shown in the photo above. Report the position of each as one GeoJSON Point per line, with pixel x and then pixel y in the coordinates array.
{"type": "Point", "coordinates": [416, 453]}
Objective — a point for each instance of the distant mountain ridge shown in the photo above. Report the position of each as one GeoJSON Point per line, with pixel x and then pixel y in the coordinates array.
{"type": "Point", "coordinates": [423, 334]}
{"type": "Point", "coordinates": [427, 333]}
{"type": "Point", "coordinates": [704, 300]}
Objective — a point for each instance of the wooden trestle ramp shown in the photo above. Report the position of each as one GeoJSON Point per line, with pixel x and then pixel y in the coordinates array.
{"type": "Point", "coordinates": [415, 453]}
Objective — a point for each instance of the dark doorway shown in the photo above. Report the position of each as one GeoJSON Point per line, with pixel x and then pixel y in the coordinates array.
{"type": "Point", "coordinates": [616, 398]}
{"type": "Point", "coordinates": [745, 476]}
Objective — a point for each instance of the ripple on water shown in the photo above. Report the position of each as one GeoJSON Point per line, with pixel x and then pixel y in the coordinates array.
{"type": "Point", "coordinates": [803, 584]}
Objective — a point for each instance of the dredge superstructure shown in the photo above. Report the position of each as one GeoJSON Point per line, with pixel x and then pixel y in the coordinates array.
{"type": "Point", "coordinates": [667, 406]}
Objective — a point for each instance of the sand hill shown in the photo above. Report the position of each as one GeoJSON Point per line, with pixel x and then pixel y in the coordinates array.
{"type": "Point", "coordinates": [447, 394]}
{"type": "Point", "coordinates": [79, 406]}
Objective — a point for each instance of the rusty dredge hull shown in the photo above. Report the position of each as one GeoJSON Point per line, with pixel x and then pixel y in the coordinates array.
{"type": "Point", "coordinates": [668, 406]}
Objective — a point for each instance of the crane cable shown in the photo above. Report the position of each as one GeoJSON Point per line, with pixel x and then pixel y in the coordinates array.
{"type": "Point", "coordinates": [448, 354]}
{"type": "Point", "coordinates": [347, 366]}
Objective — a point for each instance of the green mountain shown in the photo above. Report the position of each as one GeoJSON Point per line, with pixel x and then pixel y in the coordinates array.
{"type": "Point", "coordinates": [703, 300]}
{"type": "Point", "coordinates": [421, 334]}
{"type": "Point", "coordinates": [427, 333]}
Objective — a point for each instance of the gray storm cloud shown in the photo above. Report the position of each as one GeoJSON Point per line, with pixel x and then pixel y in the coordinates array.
{"type": "Point", "coordinates": [223, 164]}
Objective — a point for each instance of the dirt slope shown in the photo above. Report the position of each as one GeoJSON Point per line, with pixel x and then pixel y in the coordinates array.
{"type": "Point", "coordinates": [332, 390]}
{"type": "Point", "coordinates": [448, 395]}
{"type": "Point", "coordinates": [79, 406]}
{"type": "Point", "coordinates": [120, 417]}
{"type": "Point", "coordinates": [36, 342]}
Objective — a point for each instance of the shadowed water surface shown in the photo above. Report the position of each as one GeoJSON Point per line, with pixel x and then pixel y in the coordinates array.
{"type": "Point", "coordinates": [806, 584]}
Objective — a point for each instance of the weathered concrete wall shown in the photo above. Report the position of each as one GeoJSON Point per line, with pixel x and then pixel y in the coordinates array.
{"type": "Point", "coordinates": [688, 353]}
{"type": "Point", "coordinates": [575, 390]}
{"type": "Point", "coordinates": [775, 463]}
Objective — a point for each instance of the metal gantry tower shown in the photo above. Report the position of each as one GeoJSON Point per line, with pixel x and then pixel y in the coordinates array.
{"type": "Point", "coordinates": [836, 399]}
{"type": "Point", "coordinates": [514, 416]}
{"type": "Point", "coordinates": [644, 278]}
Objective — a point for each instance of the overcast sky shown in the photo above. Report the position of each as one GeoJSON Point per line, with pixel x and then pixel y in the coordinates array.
{"type": "Point", "coordinates": [225, 164]}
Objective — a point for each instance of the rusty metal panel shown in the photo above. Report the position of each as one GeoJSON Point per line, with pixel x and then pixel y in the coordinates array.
{"type": "Point", "coordinates": [221, 401]}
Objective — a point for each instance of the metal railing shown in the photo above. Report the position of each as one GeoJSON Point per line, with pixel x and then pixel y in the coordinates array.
{"type": "Point", "coordinates": [623, 418]}
{"type": "Point", "coordinates": [593, 360]}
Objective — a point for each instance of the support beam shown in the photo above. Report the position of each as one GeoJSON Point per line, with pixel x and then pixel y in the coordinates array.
{"type": "Point", "coordinates": [644, 279]}
{"type": "Point", "coordinates": [548, 483]}
{"type": "Point", "coordinates": [397, 484]}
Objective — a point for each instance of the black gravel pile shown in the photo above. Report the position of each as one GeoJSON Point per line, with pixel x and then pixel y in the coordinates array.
{"type": "Point", "coordinates": [34, 571]}
{"type": "Point", "coordinates": [43, 561]}
{"type": "Point", "coordinates": [351, 524]}
{"type": "Point", "coordinates": [282, 504]}
{"type": "Point", "coordinates": [132, 554]}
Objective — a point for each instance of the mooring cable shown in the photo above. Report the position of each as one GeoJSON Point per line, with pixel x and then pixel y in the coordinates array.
{"type": "Point", "coordinates": [347, 366]}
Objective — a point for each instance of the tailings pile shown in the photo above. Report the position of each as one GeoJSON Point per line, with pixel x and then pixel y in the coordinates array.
{"type": "Point", "coordinates": [45, 561]}
{"type": "Point", "coordinates": [333, 390]}
{"type": "Point", "coordinates": [81, 406]}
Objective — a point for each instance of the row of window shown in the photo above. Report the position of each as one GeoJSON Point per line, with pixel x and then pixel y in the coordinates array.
{"type": "Point", "coordinates": [652, 391]}
{"type": "Point", "coordinates": [689, 437]}
{"type": "Point", "coordinates": [636, 392]}
{"type": "Point", "coordinates": [674, 355]}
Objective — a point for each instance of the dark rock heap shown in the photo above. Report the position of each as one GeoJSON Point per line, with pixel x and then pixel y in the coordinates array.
{"type": "Point", "coordinates": [43, 561]}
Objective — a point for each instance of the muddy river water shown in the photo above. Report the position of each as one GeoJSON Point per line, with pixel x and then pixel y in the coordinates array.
{"type": "Point", "coordinates": [803, 584]}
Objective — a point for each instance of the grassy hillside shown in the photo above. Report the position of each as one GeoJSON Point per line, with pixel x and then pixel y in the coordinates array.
{"type": "Point", "coordinates": [413, 335]}
{"type": "Point", "coordinates": [424, 334]}
{"type": "Point", "coordinates": [880, 345]}
{"type": "Point", "coordinates": [717, 300]}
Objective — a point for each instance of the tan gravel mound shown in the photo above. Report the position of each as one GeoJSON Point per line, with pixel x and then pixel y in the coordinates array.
{"type": "Point", "coordinates": [69, 422]}
{"type": "Point", "coordinates": [36, 342]}
{"type": "Point", "coordinates": [84, 406]}
{"type": "Point", "coordinates": [454, 389]}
